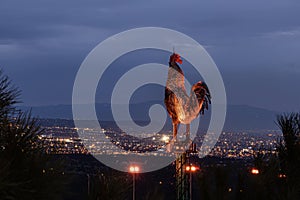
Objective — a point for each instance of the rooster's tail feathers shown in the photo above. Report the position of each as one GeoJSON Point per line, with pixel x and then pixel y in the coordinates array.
{"type": "Point", "coordinates": [203, 95]}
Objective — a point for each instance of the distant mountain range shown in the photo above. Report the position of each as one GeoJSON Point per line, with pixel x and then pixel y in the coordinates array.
{"type": "Point", "coordinates": [238, 118]}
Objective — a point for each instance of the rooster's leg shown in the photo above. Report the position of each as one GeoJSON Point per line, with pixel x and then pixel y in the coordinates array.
{"type": "Point", "coordinates": [188, 131]}
{"type": "Point", "coordinates": [175, 126]}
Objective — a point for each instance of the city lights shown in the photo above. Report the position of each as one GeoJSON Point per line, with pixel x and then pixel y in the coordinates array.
{"type": "Point", "coordinates": [165, 138]}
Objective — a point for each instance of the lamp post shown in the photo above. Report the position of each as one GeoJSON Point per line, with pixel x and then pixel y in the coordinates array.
{"type": "Point", "coordinates": [191, 169]}
{"type": "Point", "coordinates": [133, 169]}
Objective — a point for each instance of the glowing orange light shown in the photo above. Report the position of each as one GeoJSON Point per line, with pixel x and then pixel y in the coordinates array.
{"type": "Point", "coordinates": [137, 169]}
{"type": "Point", "coordinates": [282, 176]}
{"type": "Point", "coordinates": [254, 171]}
{"type": "Point", "coordinates": [134, 169]}
{"type": "Point", "coordinates": [191, 168]}
{"type": "Point", "coordinates": [187, 168]}
{"type": "Point", "coordinates": [131, 169]}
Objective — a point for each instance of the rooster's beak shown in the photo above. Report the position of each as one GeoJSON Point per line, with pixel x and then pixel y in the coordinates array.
{"type": "Point", "coordinates": [179, 60]}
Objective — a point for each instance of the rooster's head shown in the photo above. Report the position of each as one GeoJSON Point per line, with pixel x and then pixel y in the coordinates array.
{"type": "Point", "coordinates": [175, 58]}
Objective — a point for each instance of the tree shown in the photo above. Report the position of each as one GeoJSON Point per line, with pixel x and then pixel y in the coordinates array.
{"type": "Point", "coordinates": [289, 146]}
{"type": "Point", "coordinates": [279, 175]}
{"type": "Point", "coordinates": [289, 152]}
{"type": "Point", "coordinates": [23, 162]}
{"type": "Point", "coordinates": [8, 96]}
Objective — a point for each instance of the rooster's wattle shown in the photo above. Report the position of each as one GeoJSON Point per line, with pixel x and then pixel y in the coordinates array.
{"type": "Point", "coordinates": [181, 107]}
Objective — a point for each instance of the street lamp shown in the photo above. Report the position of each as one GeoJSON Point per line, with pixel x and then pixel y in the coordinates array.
{"type": "Point", "coordinates": [133, 169]}
{"type": "Point", "coordinates": [254, 171]}
{"type": "Point", "coordinates": [191, 169]}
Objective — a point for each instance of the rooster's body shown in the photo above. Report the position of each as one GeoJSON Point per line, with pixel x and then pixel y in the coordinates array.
{"type": "Point", "coordinates": [181, 107]}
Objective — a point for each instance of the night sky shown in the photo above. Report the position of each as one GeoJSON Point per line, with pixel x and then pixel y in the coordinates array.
{"type": "Point", "coordinates": [255, 44]}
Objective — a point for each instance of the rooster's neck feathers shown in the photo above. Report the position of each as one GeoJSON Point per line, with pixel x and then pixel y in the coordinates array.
{"type": "Point", "coordinates": [175, 66]}
{"type": "Point", "coordinates": [175, 77]}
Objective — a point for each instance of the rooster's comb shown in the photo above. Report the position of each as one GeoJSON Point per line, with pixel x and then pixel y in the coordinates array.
{"type": "Point", "coordinates": [175, 58]}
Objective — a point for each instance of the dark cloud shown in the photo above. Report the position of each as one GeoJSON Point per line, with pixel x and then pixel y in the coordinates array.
{"type": "Point", "coordinates": [254, 43]}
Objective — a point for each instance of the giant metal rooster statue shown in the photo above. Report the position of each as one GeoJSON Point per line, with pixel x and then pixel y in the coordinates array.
{"type": "Point", "coordinates": [181, 107]}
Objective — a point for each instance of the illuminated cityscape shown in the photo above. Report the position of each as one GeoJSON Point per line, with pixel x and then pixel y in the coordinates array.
{"type": "Point", "coordinates": [65, 140]}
